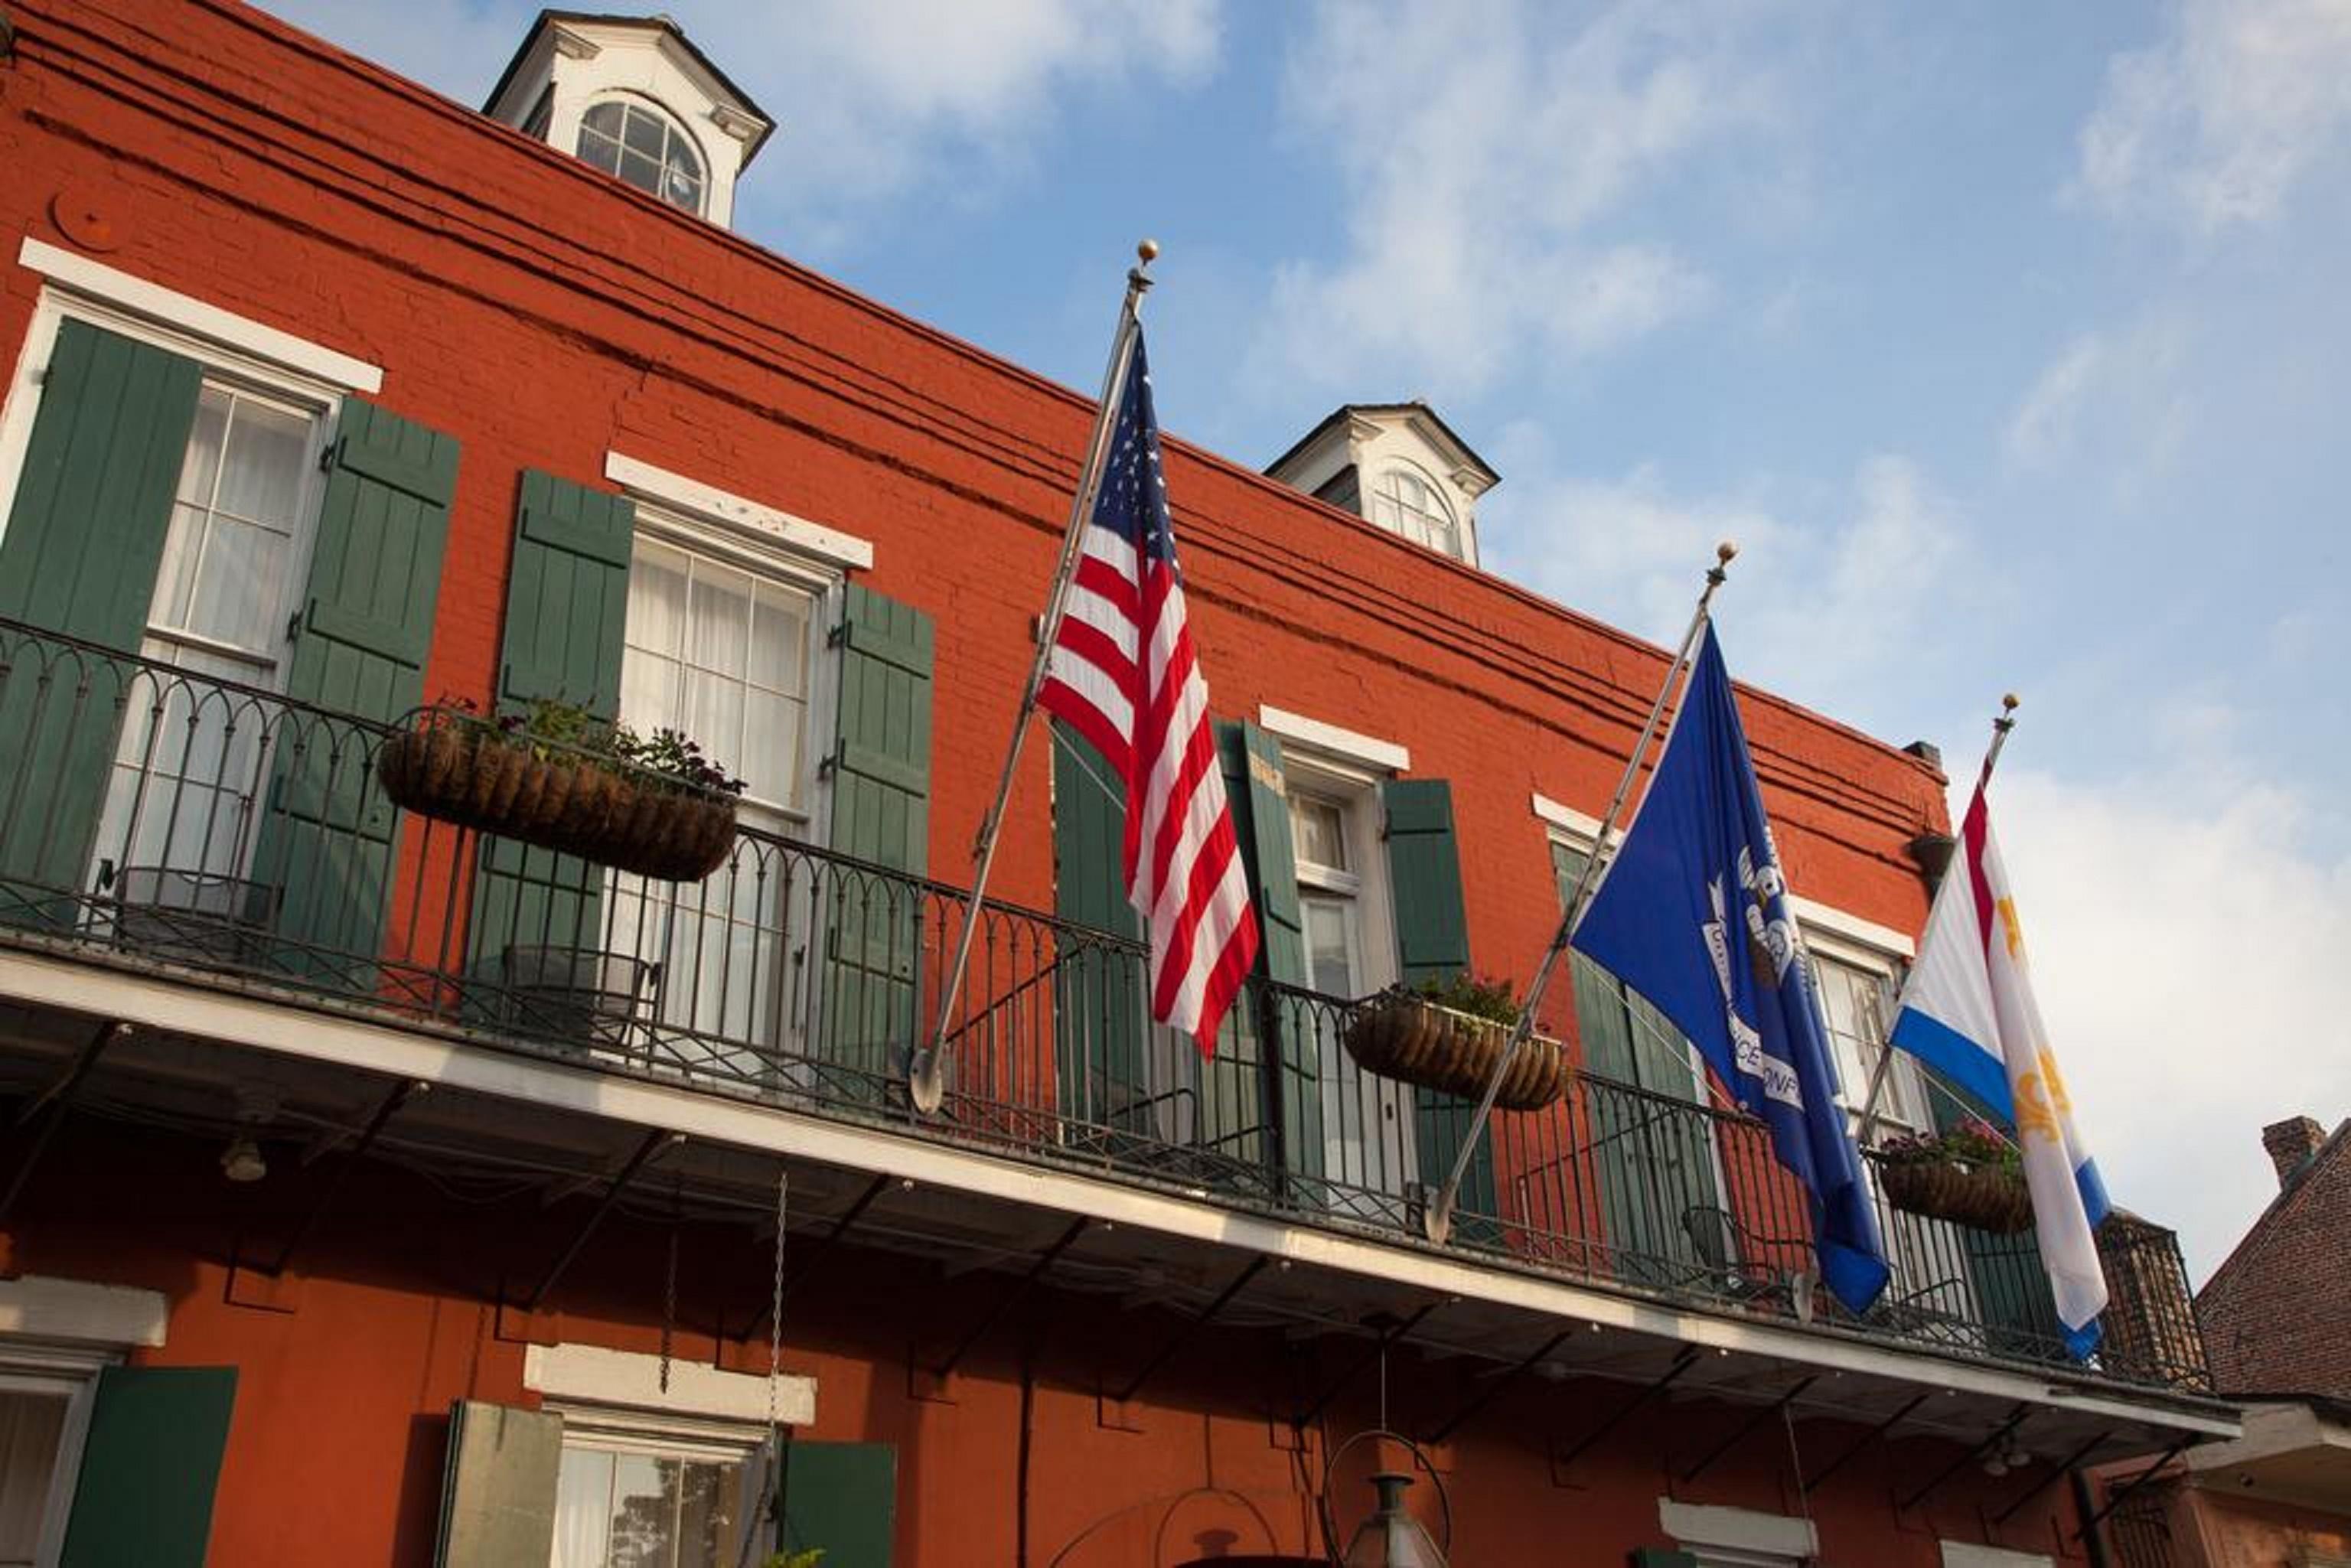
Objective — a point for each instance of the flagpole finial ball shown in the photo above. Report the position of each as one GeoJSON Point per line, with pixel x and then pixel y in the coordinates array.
{"type": "Point", "coordinates": [2009, 701]}
{"type": "Point", "coordinates": [1725, 552]}
{"type": "Point", "coordinates": [1149, 250]}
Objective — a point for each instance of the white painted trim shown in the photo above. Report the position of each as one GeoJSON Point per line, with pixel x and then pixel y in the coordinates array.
{"type": "Point", "coordinates": [153, 301]}
{"type": "Point", "coordinates": [1383, 755]}
{"type": "Point", "coordinates": [1743, 1529]}
{"type": "Point", "coordinates": [1959, 1555]}
{"type": "Point", "coordinates": [1835, 922]}
{"type": "Point", "coordinates": [38, 1307]}
{"type": "Point", "coordinates": [173, 1007]}
{"type": "Point", "coordinates": [591, 1374]}
{"type": "Point", "coordinates": [715, 506]}
{"type": "Point", "coordinates": [1567, 819]}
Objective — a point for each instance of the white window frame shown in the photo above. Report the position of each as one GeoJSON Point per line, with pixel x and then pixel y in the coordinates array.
{"type": "Point", "coordinates": [59, 1335]}
{"type": "Point", "coordinates": [232, 347]}
{"type": "Point", "coordinates": [675, 124]}
{"type": "Point", "coordinates": [772, 544]}
{"type": "Point", "coordinates": [1962, 1554]}
{"type": "Point", "coordinates": [1387, 471]}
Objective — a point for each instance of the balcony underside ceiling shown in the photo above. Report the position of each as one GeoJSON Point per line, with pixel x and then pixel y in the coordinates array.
{"type": "Point", "coordinates": [191, 1051]}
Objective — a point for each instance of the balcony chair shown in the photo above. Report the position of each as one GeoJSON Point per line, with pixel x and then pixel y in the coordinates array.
{"type": "Point", "coordinates": [207, 919]}
{"type": "Point", "coordinates": [1719, 1242]}
{"type": "Point", "coordinates": [583, 1000]}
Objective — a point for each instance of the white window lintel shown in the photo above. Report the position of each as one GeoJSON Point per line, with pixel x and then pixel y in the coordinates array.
{"type": "Point", "coordinates": [95, 280]}
{"type": "Point", "coordinates": [1744, 1529]}
{"type": "Point", "coordinates": [1835, 922]}
{"type": "Point", "coordinates": [35, 1306]}
{"type": "Point", "coordinates": [591, 1374]}
{"type": "Point", "coordinates": [1959, 1555]}
{"type": "Point", "coordinates": [1568, 820]}
{"type": "Point", "coordinates": [1370, 752]}
{"type": "Point", "coordinates": [715, 506]}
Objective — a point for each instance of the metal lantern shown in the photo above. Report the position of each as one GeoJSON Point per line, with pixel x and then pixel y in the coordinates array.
{"type": "Point", "coordinates": [1392, 1538]}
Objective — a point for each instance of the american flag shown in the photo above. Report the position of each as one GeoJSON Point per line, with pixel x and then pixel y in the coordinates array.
{"type": "Point", "coordinates": [1122, 674]}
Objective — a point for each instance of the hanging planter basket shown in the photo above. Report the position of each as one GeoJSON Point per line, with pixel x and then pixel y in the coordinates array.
{"type": "Point", "coordinates": [1402, 1035]}
{"type": "Point", "coordinates": [457, 767]}
{"type": "Point", "coordinates": [1982, 1197]}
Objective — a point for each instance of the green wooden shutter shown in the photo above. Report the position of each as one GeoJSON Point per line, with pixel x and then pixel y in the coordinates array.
{"type": "Point", "coordinates": [1257, 793]}
{"type": "Point", "coordinates": [842, 1498]}
{"type": "Point", "coordinates": [1099, 999]}
{"type": "Point", "coordinates": [366, 624]}
{"type": "Point", "coordinates": [144, 1495]}
{"type": "Point", "coordinates": [567, 609]}
{"type": "Point", "coordinates": [84, 539]}
{"type": "Point", "coordinates": [2011, 1283]}
{"type": "Point", "coordinates": [499, 1486]}
{"type": "Point", "coordinates": [1659, 1557]}
{"type": "Point", "coordinates": [1433, 944]}
{"type": "Point", "coordinates": [881, 768]}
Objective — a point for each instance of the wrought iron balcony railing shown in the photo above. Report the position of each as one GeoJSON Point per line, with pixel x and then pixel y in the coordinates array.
{"type": "Point", "coordinates": [159, 814]}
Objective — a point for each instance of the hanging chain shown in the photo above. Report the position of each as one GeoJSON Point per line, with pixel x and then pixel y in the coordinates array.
{"type": "Point", "coordinates": [669, 1290]}
{"type": "Point", "coordinates": [776, 1304]}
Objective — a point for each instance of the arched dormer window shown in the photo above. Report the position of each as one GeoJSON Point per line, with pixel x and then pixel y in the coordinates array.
{"type": "Point", "coordinates": [1408, 502]}
{"type": "Point", "coordinates": [644, 147]}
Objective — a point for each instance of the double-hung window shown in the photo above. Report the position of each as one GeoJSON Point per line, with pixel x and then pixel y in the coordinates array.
{"type": "Point", "coordinates": [1344, 903]}
{"type": "Point", "coordinates": [189, 766]}
{"type": "Point", "coordinates": [44, 1405]}
{"type": "Point", "coordinates": [634, 1492]}
{"type": "Point", "coordinates": [721, 646]}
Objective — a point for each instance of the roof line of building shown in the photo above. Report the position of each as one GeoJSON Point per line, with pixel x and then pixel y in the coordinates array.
{"type": "Point", "coordinates": [2335, 1147]}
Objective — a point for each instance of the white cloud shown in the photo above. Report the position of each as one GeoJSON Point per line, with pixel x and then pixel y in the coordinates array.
{"type": "Point", "coordinates": [2120, 401]}
{"type": "Point", "coordinates": [2185, 951]}
{"type": "Point", "coordinates": [1485, 155]}
{"type": "Point", "coordinates": [2214, 125]}
{"type": "Point", "coordinates": [874, 98]}
{"type": "Point", "coordinates": [1859, 574]}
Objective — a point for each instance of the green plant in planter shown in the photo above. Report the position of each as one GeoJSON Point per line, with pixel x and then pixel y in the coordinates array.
{"type": "Point", "coordinates": [806, 1557]}
{"type": "Point", "coordinates": [1465, 993]}
{"type": "Point", "coordinates": [1973, 1142]}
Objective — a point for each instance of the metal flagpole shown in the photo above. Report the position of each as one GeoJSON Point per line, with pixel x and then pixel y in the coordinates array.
{"type": "Point", "coordinates": [925, 1082]}
{"type": "Point", "coordinates": [1436, 1221]}
{"type": "Point", "coordinates": [2000, 728]}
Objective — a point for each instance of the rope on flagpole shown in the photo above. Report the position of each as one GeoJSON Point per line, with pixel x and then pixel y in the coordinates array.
{"type": "Point", "coordinates": [2008, 704]}
{"type": "Point", "coordinates": [925, 1083]}
{"type": "Point", "coordinates": [1437, 1219]}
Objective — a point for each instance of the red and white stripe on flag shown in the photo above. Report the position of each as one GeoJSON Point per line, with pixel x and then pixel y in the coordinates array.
{"type": "Point", "coordinates": [1122, 674]}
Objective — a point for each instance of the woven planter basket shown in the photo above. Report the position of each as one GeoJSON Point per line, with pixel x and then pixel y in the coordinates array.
{"type": "Point", "coordinates": [1985, 1197]}
{"type": "Point", "coordinates": [1401, 1035]}
{"type": "Point", "coordinates": [458, 769]}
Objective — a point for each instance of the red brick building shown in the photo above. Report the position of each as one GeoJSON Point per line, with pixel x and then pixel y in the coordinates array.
{"type": "Point", "coordinates": [385, 1187]}
{"type": "Point", "coordinates": [2273, 1312]}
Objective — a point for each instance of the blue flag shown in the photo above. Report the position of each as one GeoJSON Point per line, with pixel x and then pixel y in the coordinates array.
{"type": "Point", "coordinates": [1693, 914]}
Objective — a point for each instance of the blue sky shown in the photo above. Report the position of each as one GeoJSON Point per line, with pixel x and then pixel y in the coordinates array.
{"type": "Point", "coordinates": [2004, 338]}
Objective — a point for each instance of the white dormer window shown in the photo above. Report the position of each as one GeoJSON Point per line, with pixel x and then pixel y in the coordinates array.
{"type": "Point", "coordinates": [1406, 501]}
{"type": "Point", "coordinates": [644, 147]}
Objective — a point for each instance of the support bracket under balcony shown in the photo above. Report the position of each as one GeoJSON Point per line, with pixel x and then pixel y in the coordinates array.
{"type": "Point", "coordinates": [1190, 1326]}
{"type": "Point", "coordinates": [1747, 1428]}
{"type": "Point", "coordinates": [812, 1257]}
{"type": "Point", "coordinates": [402, 1093]}
{"type": "Point", "coordinates": [1682, 1363]}
{"type": "Point", "coordinates": [2115, 1499]}
{"type": "Point", "coordinates": [2015, 1420]}
{"type": "Point", "coordinates": [2057, 1472]}
{"type": "Point", "coordinates": [1010, 1297]}
{"type": "Point", "coordinates": [48, 1108]}
{"type": "Point", "coordinates": [655, 1143]}
{"type": "Point", "coordinates": [1494, 1386]}
{"type": "Point", "coordinates": [1391, 1330]}
{"type": "Point", "coordinates": [1814, 1482]}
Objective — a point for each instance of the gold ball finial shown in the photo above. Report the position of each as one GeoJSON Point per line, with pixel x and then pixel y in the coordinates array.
{"type": "Point", "coordinates": [1149, 250]}
{"type": "Point", "coordinates": [2009, 702]}
{"type": "Point", "coordinates": [1725, 552]}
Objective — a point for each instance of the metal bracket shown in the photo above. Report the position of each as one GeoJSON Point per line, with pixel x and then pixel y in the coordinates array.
{"type": "Point", "coordinates": [1867, 1439]}
{"type": "Point", "coordinates": [1193, 1325]}
{"type": "Point", "coordinates": [1394, 1331]}
{"type": "Point", "coordinates": [1682, 1363]}
{"type": "Point", "coordinates": [1494, 1386]}
{"type": "Point", "coordinates": [1746, 1427]}
{"type": "Point", "coordinates": [50, 1106]}
{"type": "Point", "coordinates": [2060, 1468]}
{"type": "Point", "coordinates": [1027, 1283]}
{"type": "Point", "coordinates": [821, 1249]}
{"type": "Point", "coordinates": [655, 1143]}
{"type": "Point", "coordinates": [2015, 1420]}
{"type": "Point", "coordinates": [2115, 1499]}
{"type": "Point", "coordinates": [400, 1096]}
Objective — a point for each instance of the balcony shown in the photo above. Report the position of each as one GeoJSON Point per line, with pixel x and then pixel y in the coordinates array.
{"type": "Point", "coordinates": [169, 823]}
